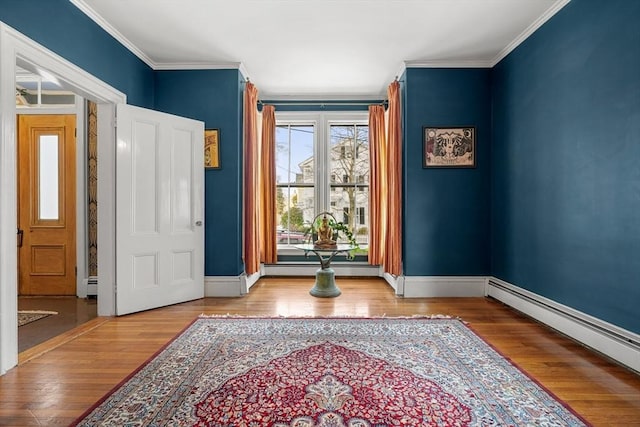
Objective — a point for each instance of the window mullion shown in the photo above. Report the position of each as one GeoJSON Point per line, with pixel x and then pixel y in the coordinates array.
{"type": "Point", "coordinates": [322, 178]}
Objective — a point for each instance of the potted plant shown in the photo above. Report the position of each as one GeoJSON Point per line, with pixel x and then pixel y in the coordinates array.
{"type": "Point", "coordinates": [339, 231]}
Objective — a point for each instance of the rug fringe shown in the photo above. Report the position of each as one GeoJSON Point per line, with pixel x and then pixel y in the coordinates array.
{"type": "Point", "coordinates": [36, 312]}
{"type": "Point", "coordinates": [280, 316]}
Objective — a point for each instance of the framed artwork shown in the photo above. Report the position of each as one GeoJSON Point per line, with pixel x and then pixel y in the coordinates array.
{"type": "Point", "coordinates": [449, 147]}
{"type": "Point", "coordinates": [212, 149]}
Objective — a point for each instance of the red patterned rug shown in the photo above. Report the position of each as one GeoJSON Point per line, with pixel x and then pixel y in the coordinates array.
{"type": "Point", "coordinates": [288, 372]}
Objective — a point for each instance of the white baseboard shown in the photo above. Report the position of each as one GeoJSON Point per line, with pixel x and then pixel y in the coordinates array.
{"type": "Point", "coordinates": [350, 269]}
{"type": "Point", "coordinates": [619, 344]}
{"type": "Point", "coordinates": [396, 282]}
{"type": "Point", "coordinates": [230, 286]}
{"type": "Point", "coordinates": [223, 286]}
{"type": "Point", "coordinates": [235, 286]}
{"type": "Point", "coordinates": [444, 286]}
{"type": "Point", "coordinates": [249, 280]}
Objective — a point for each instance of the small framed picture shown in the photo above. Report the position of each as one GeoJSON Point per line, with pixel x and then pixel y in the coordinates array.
{"type": "Point", "coordinates": [212, 149]}
{"type": "Point", "coordinates": [449, 147]}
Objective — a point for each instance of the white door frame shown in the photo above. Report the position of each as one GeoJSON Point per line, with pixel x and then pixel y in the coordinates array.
{"type": "Point", "coordinates": [15, 48]}
{"type": "Point", "coordinates": [81, 184]}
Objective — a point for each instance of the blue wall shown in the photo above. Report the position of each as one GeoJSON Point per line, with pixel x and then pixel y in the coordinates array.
{"type": "Point", "coordinates": [556, 190]}
{"type": "Point", "coordinates": [215, 97]}
{"type": "Point", "coordinates": [446, 211]}
{"type": "Point", "coordinates": [566, 153]}
{"type": "Point", "coordinates": [64, 29]}
{"type": "Point", "coordinates": [212, 96]}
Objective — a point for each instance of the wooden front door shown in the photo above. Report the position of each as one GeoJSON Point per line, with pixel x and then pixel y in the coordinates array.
{"type": "Point", "coordinates": [46, 205]}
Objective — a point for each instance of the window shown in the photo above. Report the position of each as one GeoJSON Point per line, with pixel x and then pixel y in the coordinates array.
{"type": "Point", "coordinates": [322, 164]}
{"type": "Point", "coordinates": [295, 180]}
{"type": "Point", "coordinates": [349, 157]}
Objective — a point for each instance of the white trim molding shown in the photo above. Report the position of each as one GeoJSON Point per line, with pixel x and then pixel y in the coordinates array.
{"type": "Point", "coordinates": [129, 45]}
{"type": "Point", "coordinates": [248, 280]}
{"type": "Point", "coordinates": [555, 8]}
{"type": "Point", "coordinates": [223, 286]}
{"type": "Point", "coordinates": [350, 269]}
{"type": "Point", "coordinates": [548, 14]}
{"type": "Point", "coordinates": [98, 19]}
{"type": "Point", "coordinates": [619, 344]}
{"type": "Point", "coordinates": [231, 286]}
{"type": "Point", "coordinates": [396, 282]}
{"type": "Point", "coordinates": [201, 66]}
{"type": "Point", "coordinates": [8, 204]}
{"type": "Point", "coordinates": [444, 286]}
{"type": "Point", "coordinates": [16, 48]}
{"type": "Point", "coordinates": [449, 64]}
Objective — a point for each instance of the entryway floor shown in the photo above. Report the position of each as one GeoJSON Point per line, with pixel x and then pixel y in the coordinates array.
{"type": "Point", "coordinates": [72, 312]}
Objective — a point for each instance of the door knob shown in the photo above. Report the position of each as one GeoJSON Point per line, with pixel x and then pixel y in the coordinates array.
{"type": "Point", "coordinates": [199, 223]}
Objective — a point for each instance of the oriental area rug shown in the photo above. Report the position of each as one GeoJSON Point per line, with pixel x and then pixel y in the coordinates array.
{"type": "Point", "coordinates": [321, 372]}
{"type": "Point", "coordinates": [27, 316]}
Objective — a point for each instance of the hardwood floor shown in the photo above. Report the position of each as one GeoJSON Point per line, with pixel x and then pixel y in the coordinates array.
{"type": "Point", "coordinates": [72, 312]}
{"type": "Point", "coordinates": [55, 387]}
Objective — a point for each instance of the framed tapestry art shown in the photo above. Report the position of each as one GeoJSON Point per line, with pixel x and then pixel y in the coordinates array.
{"type": "Point", "coordinates": [211, 149]}
{"type": "Point", "coordinates": [449, 147]}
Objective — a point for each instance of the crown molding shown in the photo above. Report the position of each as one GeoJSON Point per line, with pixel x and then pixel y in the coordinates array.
{"type": "Point", "coordinates": [401, 70]}
{"type": "Point", "coordinates": [244, 71]}
{"type": "Point", "coordinates": [555, 8]}
{"type": "Point", "coordinates": [199, 66]}
{"type": "Point", "coordinates": [448, 64]}
{"type": "Point", "coordinates": [95, 16]}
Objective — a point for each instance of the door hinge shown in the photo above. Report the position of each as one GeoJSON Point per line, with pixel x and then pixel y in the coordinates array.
{"type": "Point", "coordinates": [76, 270]}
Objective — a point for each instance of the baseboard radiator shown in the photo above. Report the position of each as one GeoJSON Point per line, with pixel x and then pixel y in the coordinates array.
{"type": "Point", "coordinates": [92, 286]}
{"type": "Point", "coordinates": [619, 344]}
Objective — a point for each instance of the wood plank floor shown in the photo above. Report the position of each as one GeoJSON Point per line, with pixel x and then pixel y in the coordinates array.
{"type": "Point", "coordinates": [55, 387]}
{"type": "Point", "coordinates": [72, 312]}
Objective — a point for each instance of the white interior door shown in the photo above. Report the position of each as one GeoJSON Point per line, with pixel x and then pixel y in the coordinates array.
{"type": "Point", "coordinates": [160, 210]}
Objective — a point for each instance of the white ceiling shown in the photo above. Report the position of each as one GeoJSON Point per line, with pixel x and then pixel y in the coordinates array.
{"type": "Point", "coordinates": [320, 48]}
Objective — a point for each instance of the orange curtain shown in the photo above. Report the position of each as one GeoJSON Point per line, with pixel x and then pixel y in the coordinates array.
{"type": "Point", "coordinates": [377, 184]}
{"type": "Point", "coordinates": [251, 219]}
{"type": "Point", "coordinates": [268, 247]}
{"type": "Point", "coordinates": [393, 252]}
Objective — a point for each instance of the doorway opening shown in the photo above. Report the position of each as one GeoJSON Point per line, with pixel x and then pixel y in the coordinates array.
{"type": "Point", "coordinates": [20, 51]}
{"type": "Point", "coordinates": [57, 209]}
{"type": "Point", "coordinates": [148, 144]}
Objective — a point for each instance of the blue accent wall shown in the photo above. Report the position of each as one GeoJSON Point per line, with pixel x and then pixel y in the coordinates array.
{"type": "Point", "coordinates": [64, 29]}
{"type": "Point", "coordinates": [566, 161]}
{"type": "Point", "coordinates": [215, 97]}
{"type": "Point", "coordinates": [446, 210]}
{"type": "Point", "coordinates": [553, 205]}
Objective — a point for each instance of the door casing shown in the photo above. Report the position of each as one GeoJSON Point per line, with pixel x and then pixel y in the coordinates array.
{"type": "Point", "coordinates": [15, 48]}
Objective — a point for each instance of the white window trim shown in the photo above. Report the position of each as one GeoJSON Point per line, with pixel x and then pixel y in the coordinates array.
{"type": "Point", "coordinates": [322, 121]}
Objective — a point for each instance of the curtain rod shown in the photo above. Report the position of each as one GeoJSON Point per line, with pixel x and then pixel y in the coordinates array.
{"type": "Point", "coordinates": [322, 103]}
